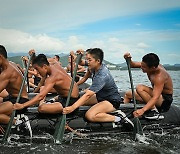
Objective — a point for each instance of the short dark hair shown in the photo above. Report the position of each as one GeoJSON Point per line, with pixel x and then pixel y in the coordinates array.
{"type": "Point", "coordinates": [57, 56]}
{"type": "Point", "coordinates": [151, 59]}
{"type": "Point", "coordinates": [40, 60]}
{"type": "Point", "coordinates": [3, 51]}
{"type": "Point", "coordinates": [97, 53]}
{"type": "Point", "coordinates": [88, 50]}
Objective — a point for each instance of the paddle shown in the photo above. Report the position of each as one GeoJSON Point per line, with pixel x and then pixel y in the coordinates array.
{"type": "Point", "coordinates": [8, 129]}
{"type": "Point", "coordinates": [60, 126]}
{"type": "Point", "coordinates": [137, 124]}
{"type": "Point", "coordinates": [24, 66]}
{"type": "Point", "coordinates": [72, 65]}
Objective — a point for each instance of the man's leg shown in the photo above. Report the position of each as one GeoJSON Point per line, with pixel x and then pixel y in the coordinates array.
{"type": "Point", "coordinates": [146, 93]}
{"type": "Point", "coordinates": [6, 109]}
{"type": "Point", "coordinates": [128, 97]}
{"type": "Point", "coordinates": [51, 108]}
{"type": "Point", "coordinates": [98, 112]}
{"type": "Point", "coordinates": [91, 101]}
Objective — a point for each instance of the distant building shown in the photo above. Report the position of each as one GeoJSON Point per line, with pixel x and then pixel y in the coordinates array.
{"type": "Point", "coordinates": [111, 66]}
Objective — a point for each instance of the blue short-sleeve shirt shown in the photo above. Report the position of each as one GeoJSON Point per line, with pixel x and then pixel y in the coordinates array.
{"type": "Point", "coordinates": [104, 86]}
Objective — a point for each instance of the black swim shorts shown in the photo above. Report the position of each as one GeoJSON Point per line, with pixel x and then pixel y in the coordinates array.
{"type": "Point", "coordinates": [115, 103]}
{"type": "Point", "coordinates": [62, 100]}
{"type": "Point", "coordinates": [167, 100]}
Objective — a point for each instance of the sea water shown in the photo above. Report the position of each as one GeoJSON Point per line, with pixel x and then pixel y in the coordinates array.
{"type": "Point", "coordinates": [164, 142]}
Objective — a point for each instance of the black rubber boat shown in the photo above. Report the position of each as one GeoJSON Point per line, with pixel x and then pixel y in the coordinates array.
{"type": "Point", "coordinates": [45, 123]}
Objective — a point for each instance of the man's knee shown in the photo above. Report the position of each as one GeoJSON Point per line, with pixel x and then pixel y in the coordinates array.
{"type": "Point", "coordinates": [90, 117]}
{"type": "Point", "coordinates": [8, 105]}
{"type": "Point", "coordinates": [128, 94]}
{"type": "Point", "coordinates": [139, 88]}
{"type": "Point", "coordinates": [41, 109]}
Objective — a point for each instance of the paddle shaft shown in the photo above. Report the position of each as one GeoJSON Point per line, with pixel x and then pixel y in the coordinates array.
{"type": "Point", "coordinates": [60, 126]}
{"type": "Point", "coordinates": [8, 129]}
{"type": "Point", "coordinates": [137, 123]}
{"type": "Point", "coordinates": [131, 82]}
{"type": "Point", "coordinates": [72, 66]}
{"type": "Point", "coordinates": [24, 66]}
{"type": "Point", "coordinates": [73, 79]}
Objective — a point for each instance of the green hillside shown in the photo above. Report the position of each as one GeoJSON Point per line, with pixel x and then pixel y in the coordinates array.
{"type": "Point", "coordinates": [17, 59]}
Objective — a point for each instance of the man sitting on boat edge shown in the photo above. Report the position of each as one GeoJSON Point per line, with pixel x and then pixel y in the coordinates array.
{"type": "Point", "coordinates": [106, 91]}
{"type": "Point", "coordinates": [55, 77]}
{"type": "Point", "coordinates": [158, 98]}
{"type": "Point", "coordinates": [11, 79]}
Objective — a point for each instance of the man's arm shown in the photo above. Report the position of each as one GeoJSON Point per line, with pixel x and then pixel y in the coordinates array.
{"type": "Point", "coordinates": [41, 83]}
{"type": "Point", "coordinates": [80, 51]}
{"type": "Point", "coordinates": [84, 78]}
{"type": "Point", "coordinates": [132, 63]}
{"type": "Point", "coordinates": [81, 68]}
{"type": "Point", "coordinates": [157, 90]}
{"type": "Point", "coordinates": [79, 102]}
{"type": "Point", "coordinates": [47, 87]}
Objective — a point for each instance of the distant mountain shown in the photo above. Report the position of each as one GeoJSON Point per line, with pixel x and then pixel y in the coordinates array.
{"type": "Point", "coordinates": [11, 54]}
{"type": "Point", "coordinates": [17, 59]}
{"type": "Point", "coordinates": [122, 65]}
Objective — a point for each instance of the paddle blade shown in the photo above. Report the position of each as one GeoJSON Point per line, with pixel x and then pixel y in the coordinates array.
{"type": "Point", "coordinates": [137, 128]}
{"type": "Point", "coordinates": [59, 129]}
{"type": "Point", "coordinates": [8, 130]}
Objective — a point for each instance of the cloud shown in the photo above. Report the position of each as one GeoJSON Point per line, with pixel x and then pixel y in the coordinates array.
{"type": "Point", "coordinates": [20, 41]}
{"type": "Point", "coordinates": [142, 45]}
{"type": "Point", "coordinates": [114, 44]}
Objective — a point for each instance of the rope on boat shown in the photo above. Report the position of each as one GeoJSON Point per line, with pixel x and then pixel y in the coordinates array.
{"type": "Point", "coordinates": [75, 131]}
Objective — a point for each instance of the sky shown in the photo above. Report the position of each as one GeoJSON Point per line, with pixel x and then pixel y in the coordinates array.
{"type": "Point", "coordinates": [115, 26]}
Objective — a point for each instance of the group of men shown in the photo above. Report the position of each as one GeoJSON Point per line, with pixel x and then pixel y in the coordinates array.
{"type": "Point", "coordinates": [102, 95]}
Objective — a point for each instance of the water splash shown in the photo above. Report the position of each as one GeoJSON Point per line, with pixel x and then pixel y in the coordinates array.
{"type": "Point", "coordinates": [142, 138]}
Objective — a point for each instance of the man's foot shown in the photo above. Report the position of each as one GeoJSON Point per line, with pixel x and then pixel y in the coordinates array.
{"type": "Point", "coordinates": [124, 119]}
{"type": "Point", "coordinates": [153, 115]}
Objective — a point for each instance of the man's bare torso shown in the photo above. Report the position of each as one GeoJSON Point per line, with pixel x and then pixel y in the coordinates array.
{"type": "Point", "coordinates": [15, 78]}
{"type": "Point", "coordinates": [163, 75]}
{"type": "Point", "coordinates": [61, 81]}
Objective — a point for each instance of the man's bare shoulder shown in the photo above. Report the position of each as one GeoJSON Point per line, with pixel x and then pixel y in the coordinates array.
{"type": "Point", "coordinates": [57, 73]}
{"type": "Point", "coordinates": [7, 71]}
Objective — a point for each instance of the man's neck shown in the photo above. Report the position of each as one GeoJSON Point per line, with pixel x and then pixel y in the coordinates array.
{"type": "Point", "coordinates": [97, 68]}
{"type": "Point", "coordinates": [49, 70]}
{"type": "Point", "coordinates": [4, 64]}
{"type": "Point", "coordinates": [154, 71]}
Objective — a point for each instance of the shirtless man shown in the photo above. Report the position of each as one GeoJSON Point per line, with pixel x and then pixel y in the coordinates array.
{"type": "Point", "coordinates": [57, 58]}
{"type": "Point", "coordinates": [80, 67]}
{"type": "Point", "coordinates": [106, 91]}
{"type": "Point", "coordinates": [11, 79]}
{"type": "Point", "coordinates": [55, 77]}
{"type": "Point", "coordinates": [159, 96]}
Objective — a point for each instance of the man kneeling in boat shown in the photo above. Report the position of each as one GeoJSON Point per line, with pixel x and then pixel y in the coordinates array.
{"type": "Point", "coordinates": [106, 91]}
{"type": "Point", "coordinates": [10, 83]}
{"type": "Point", "coordinates": [158, 98]}
{"type": "Point", "coordinates": [55, 77]}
